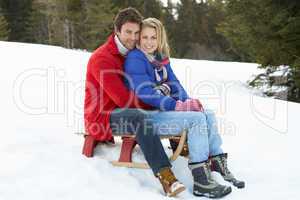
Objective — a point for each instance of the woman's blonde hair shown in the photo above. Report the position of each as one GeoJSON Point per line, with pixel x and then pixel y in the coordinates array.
{"type": "Point", "coordinates": [163, 46]}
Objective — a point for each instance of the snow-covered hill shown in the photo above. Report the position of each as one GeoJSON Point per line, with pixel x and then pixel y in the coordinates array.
{"type": "Point", "coordinates": [42, 90]}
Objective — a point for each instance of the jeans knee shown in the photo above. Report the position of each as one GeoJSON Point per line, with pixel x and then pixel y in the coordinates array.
{"type": "Point", "coordinates": [192, 115]}
{"type": "Point", "coordinates": [209, 113]}
{"type": "Point", "coordinates": [198, 117]}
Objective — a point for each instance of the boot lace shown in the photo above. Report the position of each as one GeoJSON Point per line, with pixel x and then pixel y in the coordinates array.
{"type": "Point", "coordinates": [209, 175]}
{"type": "Point", "coordinates": [225, 169]}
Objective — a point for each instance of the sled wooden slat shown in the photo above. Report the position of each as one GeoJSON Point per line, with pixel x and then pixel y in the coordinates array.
{"type": "Point", "coordinates": [179, 147]}
{"type": "Point", "coordinates": [128, 144]}
{"type": "Point", "coordinates": [130, 164]}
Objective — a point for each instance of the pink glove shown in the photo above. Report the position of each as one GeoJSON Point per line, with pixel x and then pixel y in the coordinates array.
{"type": "Point", "coordinates": [189, 105]}
{"type": "Point", "coordinates": [193, 105]}
{"type": "Point", "coordinates": [196, 105]}
{"type": "Point", "coordinates": [180, 106]}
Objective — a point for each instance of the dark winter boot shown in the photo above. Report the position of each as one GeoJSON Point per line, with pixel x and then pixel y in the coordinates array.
{"type": "Point", "coordinates": [218, 163]}
{"type": "Point", "coordinates": [204, 185]}
{"type": "Point", "coordinates": [170, 184]}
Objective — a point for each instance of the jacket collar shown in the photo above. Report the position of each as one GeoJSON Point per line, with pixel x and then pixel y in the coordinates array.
{"type": "Point", "coordinates": [113, 46]}
{"type": "Point", "coordinates": [122, 49]}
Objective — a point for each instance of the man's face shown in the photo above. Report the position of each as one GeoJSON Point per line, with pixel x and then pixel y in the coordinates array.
{"type": "Point", "coordinates": [129, 34]}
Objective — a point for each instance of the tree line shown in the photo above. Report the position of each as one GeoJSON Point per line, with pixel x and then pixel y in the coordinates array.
{"type": "Point", "coordinates": [266, 32]}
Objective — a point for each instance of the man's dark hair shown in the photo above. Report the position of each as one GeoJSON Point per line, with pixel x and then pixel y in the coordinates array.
{"type": "Point", "coordinates": [127, 15]}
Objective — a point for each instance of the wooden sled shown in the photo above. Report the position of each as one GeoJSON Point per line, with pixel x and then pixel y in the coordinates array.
{"type": "Point", "coordinates": [128, 144]}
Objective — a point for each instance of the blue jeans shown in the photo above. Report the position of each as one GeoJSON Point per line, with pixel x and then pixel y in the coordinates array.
{"type": "Point", "coordinates": [202, 133]}
{"type": "Point", "coordinates": [136, 122]}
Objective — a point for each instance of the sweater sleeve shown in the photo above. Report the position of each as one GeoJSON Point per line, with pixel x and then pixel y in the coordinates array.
{"type": "Point", "coordinates": [139, 81]}
{"type": "Point", "coordinates": [177, 90]}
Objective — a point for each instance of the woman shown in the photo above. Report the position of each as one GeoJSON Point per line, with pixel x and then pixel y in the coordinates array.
{"type": "Point", "coordinates": [152, 79]}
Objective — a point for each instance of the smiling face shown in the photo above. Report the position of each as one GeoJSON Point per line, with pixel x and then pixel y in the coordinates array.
{"type": "Point", "coordinates": [148, 40]}
{"type": "Point", "coordinates": [129, 34]}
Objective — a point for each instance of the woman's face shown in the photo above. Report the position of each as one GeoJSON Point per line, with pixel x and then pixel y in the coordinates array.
{"type": "Point", "coordinates": [148, 40]}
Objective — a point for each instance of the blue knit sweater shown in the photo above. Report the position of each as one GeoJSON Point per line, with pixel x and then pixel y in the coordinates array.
{"type": "Point", "coordinates": [141, 79]}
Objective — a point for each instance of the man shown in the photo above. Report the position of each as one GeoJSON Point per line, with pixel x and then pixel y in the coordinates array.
{"type": "Point", "coordinates": [106, 92]}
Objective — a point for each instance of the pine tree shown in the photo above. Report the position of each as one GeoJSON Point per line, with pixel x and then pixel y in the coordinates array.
{"type": "Point", "coordinates": [98, 24]}
{"type": "Point", "coordinates": [170, 25]}
{"type": "Point", "coordinates": [196, 31]}
{"type": "Point", "coordinates": [48, 15]}
{"type": "Point", "coordinates": [120, 4]}
{"type": "Point", "coordinates": [71, 23]}
{"type": "Point", "coordinates": [149, 8]}
{"type": "Point", "coordinates": [268, 31]}
{"type": "Point", "coordinates": [3, 28]}
{"type": "Point", "coordinates": [152, 8]}
{"type": "Point", "coordinates": [38, 23]}
{"type": "Point", "coordinates": [185, 29]}
{"type": "Point", "coordinates": [17, 13]}
{"type": "Point", "coordinates": [214, 15]}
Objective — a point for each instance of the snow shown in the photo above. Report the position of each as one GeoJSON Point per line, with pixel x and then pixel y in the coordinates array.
{"type": "Point", "coordinates": [41, 112]}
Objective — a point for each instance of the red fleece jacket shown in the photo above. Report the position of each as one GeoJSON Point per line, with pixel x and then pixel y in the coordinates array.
{"type": "Point", "coordinates": [105, 90]}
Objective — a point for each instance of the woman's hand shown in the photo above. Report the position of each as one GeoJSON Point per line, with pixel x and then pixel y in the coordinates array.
{"type": "Point", "coordinates": [198, 105]}
{"type": "Point", "coordinates": [189, 105]}
{"type": "Point", "coordinates": [180, 106]}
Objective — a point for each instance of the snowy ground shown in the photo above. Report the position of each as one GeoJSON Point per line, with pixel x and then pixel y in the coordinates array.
{"type": "Point", "coordinates": [41, 110]}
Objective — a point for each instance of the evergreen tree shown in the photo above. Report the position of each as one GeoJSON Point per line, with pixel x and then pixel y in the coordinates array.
{"type": "Point", "coordinates": [98, 23]}
{"type": "Point", "coordinates": [71, 23]}
{"type": "Point", "coordinates": [170, 25]}
{"type": "Point", "coordinates": [268, 31]}
{"type": "Point", "coordinates": [185, 28]}
{"type": "Point", "coordinates": [152, 8]}
{"type": "Point", "coordinates": [196, 35]}
{"type": "Point", "coordinates": [149, 8]}
{"type": "Point", "coordinates": [3, 28]}
{"type": "Point", "coordinates": [17, 13]}
{"type": "Point", "coordinates": [219, 45]}
{"type": "Point", "coordinates": [38, 23]}
{"type": "Point", "coordinates": [127, 3]}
